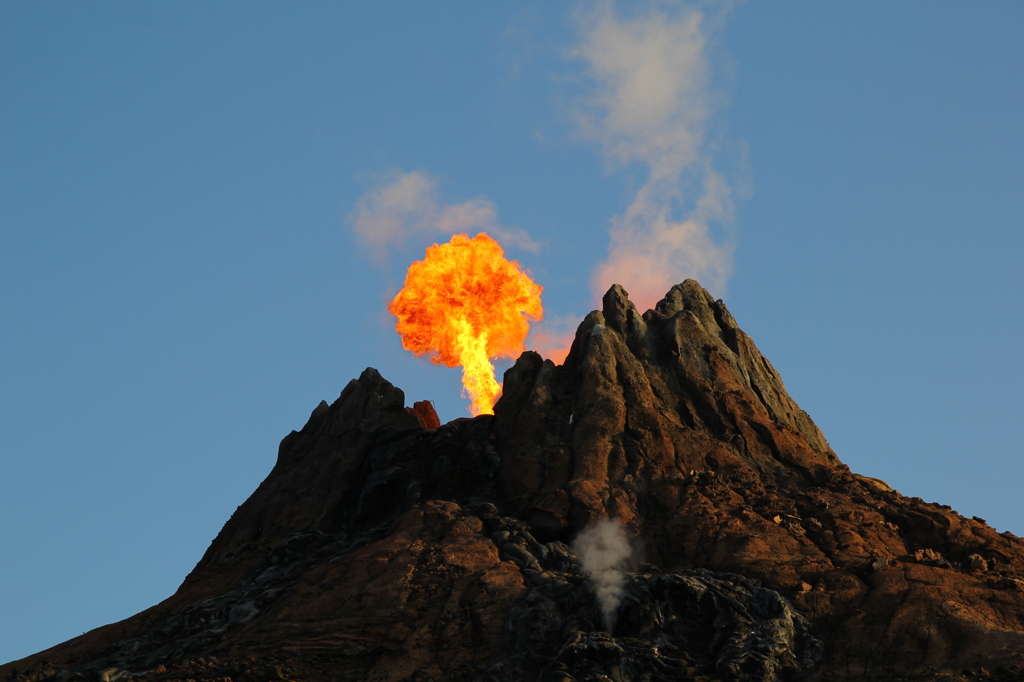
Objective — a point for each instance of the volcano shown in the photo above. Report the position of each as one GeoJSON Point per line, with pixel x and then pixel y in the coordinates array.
{"type": "Point", "coordinates": [384, 545]}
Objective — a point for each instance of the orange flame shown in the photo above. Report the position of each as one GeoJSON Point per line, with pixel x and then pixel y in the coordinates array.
{"type": "Point", "coordinates": [464, 304]}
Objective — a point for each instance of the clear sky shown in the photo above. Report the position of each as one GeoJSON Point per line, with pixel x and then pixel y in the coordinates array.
{"type": "Point", "coordinates": [183, 187]}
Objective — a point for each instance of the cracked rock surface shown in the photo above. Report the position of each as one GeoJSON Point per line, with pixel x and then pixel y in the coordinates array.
{"type": "Point", "coordinates": [386, 546]}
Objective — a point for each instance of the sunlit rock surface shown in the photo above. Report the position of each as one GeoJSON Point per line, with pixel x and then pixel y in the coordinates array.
{"type": "Point", "coordinates": [385, 546]}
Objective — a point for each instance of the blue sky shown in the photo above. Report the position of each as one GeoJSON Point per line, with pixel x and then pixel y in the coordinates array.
{"type": "Point", "coordinates": [181, 278]}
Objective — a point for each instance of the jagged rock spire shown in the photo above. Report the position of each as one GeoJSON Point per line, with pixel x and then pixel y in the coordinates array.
{"type": "Point", "coordinates": [385, 546]}
{"type": "Point", "coordinates": [645, 399]}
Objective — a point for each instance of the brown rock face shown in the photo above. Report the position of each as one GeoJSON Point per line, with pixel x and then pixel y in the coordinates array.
{"type": "Point", "coordinates": [385, 546]}
{"type": "Point", "coordinates": [674, 422]}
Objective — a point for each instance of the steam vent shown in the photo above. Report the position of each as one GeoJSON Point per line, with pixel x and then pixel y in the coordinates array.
{"type": "Point", "coordinates": [384, 546]}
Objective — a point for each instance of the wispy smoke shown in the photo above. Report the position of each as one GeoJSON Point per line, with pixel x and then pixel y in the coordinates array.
{"type": "Point", "coordinates": [651, 104]}
{"type": "Point", "coordinates": [606, 554]}
{"type": "Point", "coordinates": [552, 337]}
{"type": "Point", "coordinates": [407, 206]}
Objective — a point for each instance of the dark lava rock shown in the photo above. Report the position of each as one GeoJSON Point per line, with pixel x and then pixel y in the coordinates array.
{"type": "Point", "coordinates": [387, 546]}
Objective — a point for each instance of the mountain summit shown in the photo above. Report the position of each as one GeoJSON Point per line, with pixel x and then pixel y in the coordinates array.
{"type": "Point", "coordinates": [656, 508]}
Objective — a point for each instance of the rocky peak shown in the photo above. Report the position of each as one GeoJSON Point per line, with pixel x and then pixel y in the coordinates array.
{"type": "Point", "coordinates": [640, 402]}
{"type": "Point", "coordinates": [316, 470]}
{"type": "Point", "coordinates": [384, 545]}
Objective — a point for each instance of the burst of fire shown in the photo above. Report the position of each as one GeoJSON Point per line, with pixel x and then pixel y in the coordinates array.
{"type": "Point", "coordinates": [463, 305]}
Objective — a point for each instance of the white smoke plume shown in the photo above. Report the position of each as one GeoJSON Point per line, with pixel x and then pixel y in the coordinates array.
{"type": "Point", "coordinates": [651, 103]}
{"type": "Point", "coordinates": [552, 337]}
{"type": "Point", "coordinates": [406, 206]}
{"type": "Point", "coordinates": [606, 554]}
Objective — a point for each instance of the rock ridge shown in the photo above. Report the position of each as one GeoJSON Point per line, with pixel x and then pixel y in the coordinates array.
{"type": "Point", "coordinates": [384, 545]}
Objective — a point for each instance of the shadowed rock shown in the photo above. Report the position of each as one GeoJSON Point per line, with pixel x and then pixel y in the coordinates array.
{"type": "Point", "coordinates": [386, 546]}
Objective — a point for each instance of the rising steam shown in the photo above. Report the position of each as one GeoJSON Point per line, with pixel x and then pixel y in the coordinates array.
{"type": "Point", "coordinates": [651, 104]}
{"type": "Point", "coordinates": [405, 207]}
{"type": "Point", "coordinates": [606, 554]}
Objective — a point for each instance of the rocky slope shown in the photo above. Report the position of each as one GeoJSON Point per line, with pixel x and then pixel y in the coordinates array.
{"type": "Point", "coordinates": [385, 546]}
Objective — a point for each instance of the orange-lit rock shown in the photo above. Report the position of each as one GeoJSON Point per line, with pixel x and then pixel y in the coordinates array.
{"type": "Point", "coordinates": [378, 549]}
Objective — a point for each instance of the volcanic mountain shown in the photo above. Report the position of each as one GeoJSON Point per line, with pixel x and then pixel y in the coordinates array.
{"type": "Point", "coordinates": [386, 546]}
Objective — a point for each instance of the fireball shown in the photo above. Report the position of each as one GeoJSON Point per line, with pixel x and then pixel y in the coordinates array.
{"type": "Point", "coordinates": [463, 305]}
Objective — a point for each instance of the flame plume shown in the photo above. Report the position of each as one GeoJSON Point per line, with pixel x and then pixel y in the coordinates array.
{"type": "Point", "coordinates": [464, 304]}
